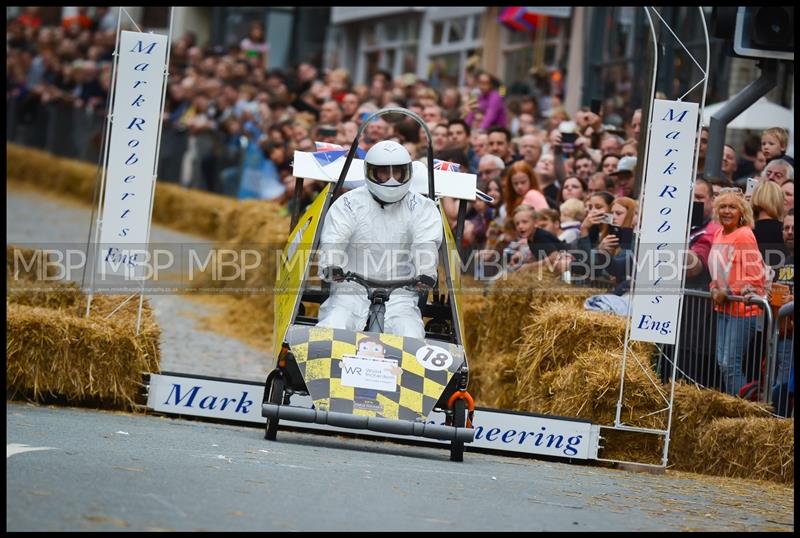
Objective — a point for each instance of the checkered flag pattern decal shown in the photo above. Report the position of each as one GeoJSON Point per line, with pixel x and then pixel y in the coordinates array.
{"type": "Point", "coordinates": [318, 352]}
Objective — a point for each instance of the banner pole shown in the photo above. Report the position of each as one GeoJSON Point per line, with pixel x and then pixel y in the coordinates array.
{"type": "Point", "coordinates": [632, 292]}
{"type": "Point", "coordinates": [686, 241]}
{"type": "Point", "coordinates": [109, 120]}
{"type": "Point", "coordinates": [154, 175]}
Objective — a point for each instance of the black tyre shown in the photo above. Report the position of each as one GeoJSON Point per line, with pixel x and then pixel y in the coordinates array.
{"type": "Point", "coordinates": [459, 421]}
{"type": "Point", "coordinates": [275, 397]}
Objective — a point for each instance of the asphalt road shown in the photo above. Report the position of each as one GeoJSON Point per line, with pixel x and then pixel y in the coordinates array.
{"type": "Point", "coordinates": [85, 470]}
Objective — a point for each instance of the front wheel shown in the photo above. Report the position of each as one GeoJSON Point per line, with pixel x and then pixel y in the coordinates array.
{"type": "Point", "coordinates": [459, 421]}
{"type": "Point", "coordinates": [275, 397]}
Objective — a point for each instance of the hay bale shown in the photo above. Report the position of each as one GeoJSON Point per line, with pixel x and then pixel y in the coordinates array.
{"type": "Point", "coordinates": [51, 353]}
{"type": "Point", "coordinates": [563, 330]}
{"type": "Point", "coordinates": [492, 380]}
{"type": "Point", "coordinates": [693, 411]}
{"type": "Point", "coordinates": [189, 210]}
{"type": "Point", "coordinates": [636, 447]}
{"type": "Point", "coordinates": [758, 448]}
{"type": "Point", "coordinates": [472, 312]}
{"type": "Point", "coordinates": [53, 350]}
{"type": "Point", "coordinates": [512, 301]}
{"type": "Point", "coordinates": [58, 295]}
{"type": "Point", "coordinates": [588, 387]}
{"type": "Point", "coordinates": [71, 177]}
{"type": "Point", "coordinates": [25, 264]}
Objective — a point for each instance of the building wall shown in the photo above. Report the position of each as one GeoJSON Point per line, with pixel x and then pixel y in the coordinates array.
{"type": "Point", "coordinates": [196, 19]}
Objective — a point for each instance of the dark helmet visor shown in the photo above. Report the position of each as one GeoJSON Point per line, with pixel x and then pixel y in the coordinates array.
{"type": "Point", "coordinates": [381, 173]}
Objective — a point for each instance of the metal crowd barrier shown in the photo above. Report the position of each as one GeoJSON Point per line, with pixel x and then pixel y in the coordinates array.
{"type": "Point", "coordinates": [697, 360]}
{"type": "Point", "coordinates": [77, 133]}
{"type": "Point", "coordinates": [781, 366]}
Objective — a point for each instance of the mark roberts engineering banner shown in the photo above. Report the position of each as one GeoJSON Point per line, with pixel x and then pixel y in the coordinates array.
{"type": "Point", "coordinates": [131, 168]}
{"type": "Point", "coordinates": [224, 399]}
{"type": "Point", "coordinates": [664, 222]}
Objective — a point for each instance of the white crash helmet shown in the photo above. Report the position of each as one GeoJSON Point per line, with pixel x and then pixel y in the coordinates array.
{"type": "Point", "coordinates": [388, 170]}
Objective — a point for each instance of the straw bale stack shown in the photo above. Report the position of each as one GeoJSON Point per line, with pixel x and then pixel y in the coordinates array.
{"type": "Point", "coordinates": [693, 411]}
{"type": "Point", "coordinates": [68, 176]}
{"type": "Point", "coordinates": [557, 334]}
{"type": "Point", "coordinates": [760, 448]}
{"type": "Point", "coordinates": [50, 353]}
{"type": "Point", "coordinates": [27, 264]}
{"type": "Point", "coordinates": [472, 312]}
{"type": "Point", "coordinates": [189, 210]}
{"type": "Point", "coordinates": [511, 302]}
{"type": "Point", "coordinates": [492, 380]}
{"type": "Point", "coordinates": [588, 387]}
{"type": "Point", "coordinates": [52, 350]}
{"type": "Point", "coordinates": [62, 296]}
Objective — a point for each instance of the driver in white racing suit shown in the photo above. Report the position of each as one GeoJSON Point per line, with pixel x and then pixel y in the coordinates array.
{"type": "Point", "coordinates": [381, 231]}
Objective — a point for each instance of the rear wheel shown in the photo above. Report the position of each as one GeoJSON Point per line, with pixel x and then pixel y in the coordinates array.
{"type": "Point", "coordinates": [275, 397]}
{"type": "Point", "coordinates": [459, 421]}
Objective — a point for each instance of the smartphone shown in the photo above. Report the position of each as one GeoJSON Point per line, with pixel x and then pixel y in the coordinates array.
{"type": "Point", "coordinates": [625, 236]}
{"type": "Point", "coordinates": [608, 218]}
{"type": "Point", "coordinates": [568, 142]}
{"type": "Point", "coordinates": [697, 214]}
{"type": "Point", "coordinates": [595, 107]}
{"type": "Point", "coordinates": [327, 132]}
{"type": "Point", "coordinates": [751, 184]}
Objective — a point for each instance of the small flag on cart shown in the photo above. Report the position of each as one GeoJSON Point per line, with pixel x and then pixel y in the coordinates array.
{"type": "Point", "coordinates": [327, 152]}
{"type": "Point", "coordinates": [446, 166]}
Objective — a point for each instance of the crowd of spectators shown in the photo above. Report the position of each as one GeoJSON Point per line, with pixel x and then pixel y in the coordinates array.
{"type": "Point", "coordinates": [563, 184]}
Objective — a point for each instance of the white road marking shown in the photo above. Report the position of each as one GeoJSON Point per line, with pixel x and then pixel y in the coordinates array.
{"type": "Point", "coordinates": [16, 448]}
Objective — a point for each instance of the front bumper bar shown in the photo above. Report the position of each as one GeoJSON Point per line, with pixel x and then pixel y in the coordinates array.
{"type": "Point", "coordinates": [359, 422]}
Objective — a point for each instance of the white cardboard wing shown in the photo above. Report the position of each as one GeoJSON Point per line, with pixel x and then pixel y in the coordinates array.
{"type": "Point", "coordinates": [446, 183]}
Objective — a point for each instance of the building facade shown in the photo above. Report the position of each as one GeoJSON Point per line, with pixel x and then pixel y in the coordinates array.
{"type": "Point", "coordinates": [582, 53]}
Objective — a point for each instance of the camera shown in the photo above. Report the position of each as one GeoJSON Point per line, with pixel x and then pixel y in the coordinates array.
{"type": "Point", "coordinates": [608, 218]}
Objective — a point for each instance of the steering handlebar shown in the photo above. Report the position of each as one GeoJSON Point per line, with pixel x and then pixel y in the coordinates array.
{"type": "Point", "coordinates": [389, 285]}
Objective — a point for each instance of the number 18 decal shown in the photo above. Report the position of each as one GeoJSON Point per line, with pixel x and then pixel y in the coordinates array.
{"type": "Point", "coordinates": [434, 358]}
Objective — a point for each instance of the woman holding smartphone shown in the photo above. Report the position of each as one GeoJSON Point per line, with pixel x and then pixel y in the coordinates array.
{"type": "Point", "coordinates": [618, 243]}
{"type": "Point", "coordinates": [594, 229]}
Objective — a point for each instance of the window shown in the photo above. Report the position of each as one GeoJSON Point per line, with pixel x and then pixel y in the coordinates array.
{"type": "Point", "coordinates": [524, 51]}
{"type": "Point", "coordinates": [458, 30]}
{"type": "Point", "coordinates": [453, 39]}
{"type": "Point", "coordinates": [477, 26]}
{"type": "Point", "coordinates": [438, 30]}
{"type": "Point", "coordinates": [443, 70]}
{"type": "Point", "coordinates": [389, 45]}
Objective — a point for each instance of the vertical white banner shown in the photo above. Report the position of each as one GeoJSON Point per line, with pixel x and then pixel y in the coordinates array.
{"type": "Point", "coordinates": [131, 162]}
{"type": "Point", "coordinates": [664, 222]}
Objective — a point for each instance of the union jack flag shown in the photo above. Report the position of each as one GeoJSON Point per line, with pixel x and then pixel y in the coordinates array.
{"type": "Point", "coordinates": [327, 152]}
{"type": "Point", "coordinates": [327, 146]}
{"type": "Point", "coordinates": [446, 166]}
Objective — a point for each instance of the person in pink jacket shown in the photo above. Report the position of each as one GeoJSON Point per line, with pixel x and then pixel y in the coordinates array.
{"type": "Point", "coordinates": [490, 103]}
